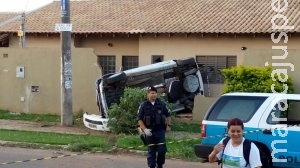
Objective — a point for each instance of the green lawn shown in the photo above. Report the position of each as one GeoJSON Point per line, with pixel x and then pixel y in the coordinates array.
{"type": "Point", "coordinates": [177, 148]}
{"type": "Point", "coordinates": [7, 115]}
{"type": "Point", "coordinates": [186, 127]}
{"type": "Point", "coordinates": [53, 138]}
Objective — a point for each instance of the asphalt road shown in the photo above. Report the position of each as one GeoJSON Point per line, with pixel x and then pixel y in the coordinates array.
{"type": "Point", "coordinates": [99, 160]}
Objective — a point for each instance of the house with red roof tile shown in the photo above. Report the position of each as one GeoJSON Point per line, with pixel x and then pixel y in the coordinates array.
{"type": "Point", "coordinates": [132, 33]}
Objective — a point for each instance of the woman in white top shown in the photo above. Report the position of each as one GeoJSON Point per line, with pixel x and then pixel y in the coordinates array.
{"type": "Point", "coordinates": [233, 156]}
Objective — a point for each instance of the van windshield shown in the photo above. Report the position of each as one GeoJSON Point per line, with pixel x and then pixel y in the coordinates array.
{"type": "Point", "coordinates": [228, 107]}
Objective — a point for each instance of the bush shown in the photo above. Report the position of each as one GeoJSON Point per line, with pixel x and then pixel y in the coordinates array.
{"type": "Point", "coordinates": [254, 79]}
{"type": "Point", "coordinates": [122, 116]}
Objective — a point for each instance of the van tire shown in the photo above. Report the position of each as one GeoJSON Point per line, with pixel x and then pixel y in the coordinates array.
{"type": "Point", "coordinates": [190, 72]}
{"type": "Point", "coordinates": [116, 78]}
{"type": "Point", "coordinates": [265, 152]}
{"type": "Point", "coordinates": [267, 156]}
{"type": "Point", "coordinates": [186, 61]}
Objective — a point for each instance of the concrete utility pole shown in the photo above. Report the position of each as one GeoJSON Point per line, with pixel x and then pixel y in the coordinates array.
{"type": "Point", "coordinates": [23, 29]}
{"type": "Point", "coordinates": [21, 32]}
{"type": "Point", "coordinates": [66, 63]}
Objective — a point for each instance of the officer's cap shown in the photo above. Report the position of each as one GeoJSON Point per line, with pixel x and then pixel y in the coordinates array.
{"type": "Point", "coordinates": [151, 88]}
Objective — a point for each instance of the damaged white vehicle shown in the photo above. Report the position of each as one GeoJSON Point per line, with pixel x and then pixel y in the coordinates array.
{"type": "Point", "coordinates": [181, 80]}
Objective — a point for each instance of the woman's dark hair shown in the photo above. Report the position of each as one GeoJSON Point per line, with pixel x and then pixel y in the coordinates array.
{"type": "Point", "coordinates": [234, 122]}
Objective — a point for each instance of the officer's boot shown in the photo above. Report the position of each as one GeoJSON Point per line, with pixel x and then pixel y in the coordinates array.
{"type": "Point", "coordinates": [159, 166]}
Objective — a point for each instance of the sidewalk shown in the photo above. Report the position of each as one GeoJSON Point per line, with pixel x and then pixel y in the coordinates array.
{"type": "Point", "coordinates": [45, 127]}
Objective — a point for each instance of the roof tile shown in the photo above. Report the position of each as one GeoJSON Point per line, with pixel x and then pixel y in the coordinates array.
{"type": "Point", "coordinates": [162, 16]}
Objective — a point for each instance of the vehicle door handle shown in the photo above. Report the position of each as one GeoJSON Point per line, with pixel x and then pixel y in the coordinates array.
{"type": "Point", "coordinates": [267, 131]}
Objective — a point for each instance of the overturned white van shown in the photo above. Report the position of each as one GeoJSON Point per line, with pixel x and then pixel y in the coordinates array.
{"type": "Point", "coordinates": [181, 80]}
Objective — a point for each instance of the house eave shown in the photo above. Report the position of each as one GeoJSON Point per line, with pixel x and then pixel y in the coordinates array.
{"type": "Point", "coordinates": [156, 34]}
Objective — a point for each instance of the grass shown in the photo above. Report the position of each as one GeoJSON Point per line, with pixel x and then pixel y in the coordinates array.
{"type": "Point", "coordinates": [77, 143]}
{"type": "Point", "coordinates": [86, 141]}
{"type": "Point", "coordinates": [7, 115]}
{"type": "Point", "coordinates": [46, 118]}
{"type": "Point", "coordinates": [176, 147]}
{"type": "Point", "coordinates": [185, 127]}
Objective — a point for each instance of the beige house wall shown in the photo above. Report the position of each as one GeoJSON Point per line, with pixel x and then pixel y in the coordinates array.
{"type": "Point", "coordinates": [38, 40]}
{"type": "Point", "coordinates": [256, 57]}
{"type": "Point", "coordinates": [179, 46]}
{"type": "Point", "coordinates": [172, 47]}
{"type": "Point", "coordinates": [42, 68]}
{"type": "Point", "coordinates": [290, 63]}
{"type": "Point", "coordinates": [121, 46]}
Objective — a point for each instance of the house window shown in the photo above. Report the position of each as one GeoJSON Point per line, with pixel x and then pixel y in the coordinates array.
{"type": "Point", "coordinates": [107, 63]}
{"type": "Point", "coordinates": [157, 58]}
{"type": "Point", "coordinates": [130, 62]}
{"type": "Point", "coordinates": [211, 66]}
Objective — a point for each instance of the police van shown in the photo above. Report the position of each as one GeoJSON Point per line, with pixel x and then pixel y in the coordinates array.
{"type": "Point", "coordinates": [180, 81]}
{"type": "Point", "coordinates": [271, 121]}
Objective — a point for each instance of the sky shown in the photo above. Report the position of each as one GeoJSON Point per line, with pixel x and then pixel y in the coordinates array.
{"type": "Point", "coordinates": [21, 5]}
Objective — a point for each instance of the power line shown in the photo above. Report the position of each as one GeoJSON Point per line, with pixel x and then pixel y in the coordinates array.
{"type": "Point", "coordinates": [20, 16]}
{"type": "Point", "coordinates": [26, 5]}
{"type": "Point", "coordinates": [23, 26]}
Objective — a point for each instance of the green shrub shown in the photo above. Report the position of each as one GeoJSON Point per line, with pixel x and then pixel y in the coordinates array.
{"type": "Point", "coordinates": [122, 116]}
{"type": "Point", "coordinates": [255, 79]}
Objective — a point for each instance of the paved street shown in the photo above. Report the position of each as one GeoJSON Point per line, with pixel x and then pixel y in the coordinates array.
{"type": "Point", "coordinates": [9, 154]}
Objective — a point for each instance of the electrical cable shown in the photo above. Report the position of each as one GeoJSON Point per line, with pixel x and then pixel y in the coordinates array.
{"type": "Point", "coordinates": [26, 6]}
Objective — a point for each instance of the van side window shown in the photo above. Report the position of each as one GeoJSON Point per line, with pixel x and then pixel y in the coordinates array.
{"type": "Point", "coordinates": [288, 116]}
{"type": "Point", "coordinates": [228, 107]}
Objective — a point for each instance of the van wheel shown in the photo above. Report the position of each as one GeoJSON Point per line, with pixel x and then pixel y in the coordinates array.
{"type": "Point", "coordinates": [185, 61]}
{"type": "Point", "coordinates": [116, 78]}
{"type": "Point", "coordinates": [266, 158]}
{"type": "Point", "coordinates": [190, 72]}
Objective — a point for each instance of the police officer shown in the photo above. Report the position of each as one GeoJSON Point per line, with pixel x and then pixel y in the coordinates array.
{"type": "Point", "coordinates": [154, 119]}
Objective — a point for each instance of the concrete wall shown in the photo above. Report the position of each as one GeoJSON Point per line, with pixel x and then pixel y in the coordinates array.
{"type": "Point", "coordinates": [42, 68]}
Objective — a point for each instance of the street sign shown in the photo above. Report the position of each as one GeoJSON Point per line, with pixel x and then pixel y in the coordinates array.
{"type": "Point", "coordinates": [20, 33]}
{"type": "Point", "coordinates": [63, 27]}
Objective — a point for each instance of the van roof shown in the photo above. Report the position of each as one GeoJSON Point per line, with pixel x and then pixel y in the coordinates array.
{"type": "Point", "coordinates": [274, 95]}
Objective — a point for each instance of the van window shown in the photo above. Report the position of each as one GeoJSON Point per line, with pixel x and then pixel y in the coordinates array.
{"type": "Point", "coordinates": [228, 107]}
{"type": "Point", "coordinates": [289, 116]}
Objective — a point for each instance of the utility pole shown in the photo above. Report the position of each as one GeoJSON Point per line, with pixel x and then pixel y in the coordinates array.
{"type": "Point", "coordinates": [20, 16]}
{"type": "Point", "coordinates": [21, 32]}
{"type": "Point", "coordinates": [66, 65]}
{"type": "Point", "coordinates": [23, 29]}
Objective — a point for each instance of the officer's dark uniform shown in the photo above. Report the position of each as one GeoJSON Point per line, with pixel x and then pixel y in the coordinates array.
{"type": "Point", "coordinates": [154, 117]}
